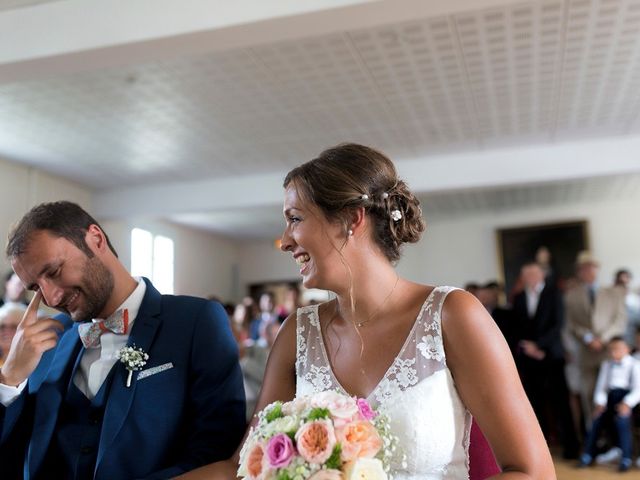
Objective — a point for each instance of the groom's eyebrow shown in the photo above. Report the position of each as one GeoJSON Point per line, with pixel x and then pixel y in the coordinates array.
{"type": "Point", "coordinates": [47, 266]}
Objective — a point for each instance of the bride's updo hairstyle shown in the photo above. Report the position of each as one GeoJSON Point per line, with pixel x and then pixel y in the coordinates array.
{"type": "Point", "coordinates": [349, 176]}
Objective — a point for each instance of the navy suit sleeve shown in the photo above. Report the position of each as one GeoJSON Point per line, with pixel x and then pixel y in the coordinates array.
{"type": "Point", "coordinates": [16, 427]}
{"type": "Point", "coordinates": [216, 414]}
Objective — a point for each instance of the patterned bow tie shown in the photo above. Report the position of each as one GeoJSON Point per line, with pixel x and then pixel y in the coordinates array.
{"type": "Point", "coordinates": [90, 332]}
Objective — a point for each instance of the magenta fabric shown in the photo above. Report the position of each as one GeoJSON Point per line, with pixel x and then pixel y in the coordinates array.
{"type": "Point", "coordinates": [482, 463]}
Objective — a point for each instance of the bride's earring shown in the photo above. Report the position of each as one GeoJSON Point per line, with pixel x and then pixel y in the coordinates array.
{"type": "Point", "coordinates": [350, 232]}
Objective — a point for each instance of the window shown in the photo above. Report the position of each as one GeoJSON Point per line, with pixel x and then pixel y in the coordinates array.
{"type": "Point", "coordinates": [152, 257]}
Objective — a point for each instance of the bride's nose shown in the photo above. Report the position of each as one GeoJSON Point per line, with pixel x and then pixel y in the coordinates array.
{"type": "Point", "coordinates": [286, 242]}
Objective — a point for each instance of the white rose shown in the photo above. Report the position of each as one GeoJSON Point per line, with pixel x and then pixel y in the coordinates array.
{"type": "Point", "coordinates": [281, 425]}
{"type": "Point", "coordinates": [296, 406]}
{"type": "Point", "coordinates": [364, 469]}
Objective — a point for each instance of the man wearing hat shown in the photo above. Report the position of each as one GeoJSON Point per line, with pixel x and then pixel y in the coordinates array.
{"type": "Point", "coordinates": [594, 316]}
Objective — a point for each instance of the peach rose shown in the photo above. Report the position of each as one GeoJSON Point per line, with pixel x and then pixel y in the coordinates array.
{"type": "Point", "coordinates": [256, 460]}
{"type": "Point", "coordinates": [328, 474]}
{"type": "Point", "coordinates": [358, 439]}
{"type": "Point", "coordinates": [315, 441]}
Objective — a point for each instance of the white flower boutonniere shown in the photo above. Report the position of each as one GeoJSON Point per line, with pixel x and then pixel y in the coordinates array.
{"type": "Point", "coordinates": [133, 359]}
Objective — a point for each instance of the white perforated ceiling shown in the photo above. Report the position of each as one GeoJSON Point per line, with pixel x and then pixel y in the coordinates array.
{"type": "Point", "coordinates": [541, 71]}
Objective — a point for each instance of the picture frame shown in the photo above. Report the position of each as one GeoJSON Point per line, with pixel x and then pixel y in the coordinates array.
{"type": "Point", "coordinates": [518, 245]}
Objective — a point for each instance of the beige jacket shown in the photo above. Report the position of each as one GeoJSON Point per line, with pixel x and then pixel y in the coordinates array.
{"type": "Point", "coordinates": [605, 320]}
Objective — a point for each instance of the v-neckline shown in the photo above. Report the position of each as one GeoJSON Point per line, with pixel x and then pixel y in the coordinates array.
{"type": "Point", "coordinates": [393, 362]}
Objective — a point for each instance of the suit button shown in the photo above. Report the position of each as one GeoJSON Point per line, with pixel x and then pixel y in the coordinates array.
{"type": "Point", "coordinates": [86, 450]}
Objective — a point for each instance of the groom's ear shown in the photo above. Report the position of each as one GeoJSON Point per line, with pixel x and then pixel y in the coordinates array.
{"type": "Point", "coordinates": [96, 240]}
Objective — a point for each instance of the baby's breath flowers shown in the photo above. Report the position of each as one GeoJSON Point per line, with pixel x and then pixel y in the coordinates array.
{"type": "Point", "coordinates": [133, 359]}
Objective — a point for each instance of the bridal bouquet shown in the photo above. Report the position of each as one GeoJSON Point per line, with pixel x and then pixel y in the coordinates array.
{"type": "Point", "coordinates": [327, 436]}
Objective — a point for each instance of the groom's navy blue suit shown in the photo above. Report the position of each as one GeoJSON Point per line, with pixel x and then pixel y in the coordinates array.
{"type": "Point", "coordinates": [185, 414]}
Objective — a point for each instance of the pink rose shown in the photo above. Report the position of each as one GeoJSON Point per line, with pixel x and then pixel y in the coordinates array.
{"type": "Point", "coordinates": [328, 474]}
{"type": "Point", "coordinates": [256, 462]}
{"type": "Point", "coordinates": [365, 409]}
{"type": "Point", "coordinates": [280, 450]}
{"type": "Point", "coordinates": [315, 441]}
{"type": "Point", "coordinates": [358, 439]}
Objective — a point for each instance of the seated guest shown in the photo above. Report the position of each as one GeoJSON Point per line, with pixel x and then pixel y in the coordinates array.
{"type": "Point", "coordinates": [10, 316]}
{"type": "Point", "coordinates": [617, 392]}
{"type": "Point", "coordinates": [14, 291]}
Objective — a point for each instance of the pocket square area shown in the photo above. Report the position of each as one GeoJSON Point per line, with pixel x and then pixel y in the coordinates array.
{"type": "Point", "coordinates": [153, 370]}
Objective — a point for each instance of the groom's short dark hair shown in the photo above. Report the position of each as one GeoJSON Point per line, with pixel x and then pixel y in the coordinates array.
{"type": "Point", "coordinates": [62, 219]}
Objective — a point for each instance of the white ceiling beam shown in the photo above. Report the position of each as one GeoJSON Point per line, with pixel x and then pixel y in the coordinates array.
{"type": "Point", "coordinates": [490, 169]}
{"type": "Point", "coordinates": [78, 35]}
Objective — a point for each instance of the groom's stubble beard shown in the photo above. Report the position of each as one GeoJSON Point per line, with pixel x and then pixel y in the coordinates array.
{"type": "Point", "coordinates": [96, 288]}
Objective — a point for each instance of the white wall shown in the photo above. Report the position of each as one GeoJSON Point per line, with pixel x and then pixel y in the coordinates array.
{"type": "Point", "coordinates": [204, 264]}
{"type": "Point", "coordinates": [457, 250]}
{"type": "Point", "coordinates": [260, 261]}
{"type": "Point", "coordinates": [22, 188]}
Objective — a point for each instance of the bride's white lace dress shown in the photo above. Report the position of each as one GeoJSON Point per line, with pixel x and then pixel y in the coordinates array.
{"type": "Point", "coordinates": [417, 392]}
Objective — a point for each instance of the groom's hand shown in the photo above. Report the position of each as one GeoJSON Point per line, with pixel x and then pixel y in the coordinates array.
{"type": "Point", "coordinates": [33, 337]}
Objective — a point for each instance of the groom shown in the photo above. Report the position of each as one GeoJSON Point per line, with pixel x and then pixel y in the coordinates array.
{"type": "Point", "coordinates": [67, 406]}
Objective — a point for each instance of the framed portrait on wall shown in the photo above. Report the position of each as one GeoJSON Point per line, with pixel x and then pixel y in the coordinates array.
{"type": "Point", "coordinates": [555, 246]}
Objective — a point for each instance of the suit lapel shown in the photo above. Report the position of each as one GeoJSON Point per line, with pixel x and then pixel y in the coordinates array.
{"type": "Point", "coordinates": [50, 396]}
{"type": "Point", "coordinates": [120, 397]}
{"type": "Point", "coordinates": [540, 308]}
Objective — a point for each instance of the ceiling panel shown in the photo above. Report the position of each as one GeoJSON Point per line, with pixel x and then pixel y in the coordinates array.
{"type": "Point", "coordinates": [530, 73]}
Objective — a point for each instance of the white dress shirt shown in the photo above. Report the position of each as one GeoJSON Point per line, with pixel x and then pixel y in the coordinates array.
{"type": "Point", "coordinates": [533, 298]}
{"type": "Point", "coordinates": [624, 374]}
{"type": "Point", "coordinates": [96, 363]}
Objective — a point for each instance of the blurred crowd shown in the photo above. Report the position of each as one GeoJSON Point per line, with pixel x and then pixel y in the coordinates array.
{"type": "Point", "coordinates": [576, 346]}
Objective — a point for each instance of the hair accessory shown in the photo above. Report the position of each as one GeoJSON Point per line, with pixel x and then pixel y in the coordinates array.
{"type": "Point", "coordinates": [364, 196]}
{"type": "Point", "coordinates": [350, 232]}
{"type": "Point", "coordinates": [396, 215]}
{"type": "Point", "coordinates": [385, 195]}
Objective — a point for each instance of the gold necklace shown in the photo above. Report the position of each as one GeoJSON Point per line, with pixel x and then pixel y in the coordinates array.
{"type": "Point", "coordinates": [377, 310]}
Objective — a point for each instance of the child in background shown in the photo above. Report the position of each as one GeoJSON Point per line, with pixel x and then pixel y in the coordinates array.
{"type": "Point", "coordinates": [617, 392]}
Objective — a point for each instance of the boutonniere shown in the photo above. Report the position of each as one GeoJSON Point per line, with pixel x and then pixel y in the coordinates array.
{"type": "Point", "coordinates": [133, 359]}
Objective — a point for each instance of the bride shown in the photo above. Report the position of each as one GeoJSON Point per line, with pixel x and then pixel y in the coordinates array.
{"type": "Point", "coordinates": [431, 357]}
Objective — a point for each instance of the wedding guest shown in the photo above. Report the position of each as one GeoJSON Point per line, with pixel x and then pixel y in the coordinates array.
{"type": "Point", "coordinates": [594, 316]}
{"type": "Point", "coordinates": [431, 357]}
{"type": "Point", "coordinates": [14, 291]}
{"type": "Point", "coordinates": [10, 316]}
{"type": "Point", "coordinates": [70, 408]}
{"type": "Point", "coordinates": [538, 318]}
{"type": "Point", "coordinates": [617, 392]}
{"type": "Point", "coordinates": [489, 295]}
{"type": "Point", "coordinates": [265, 317]}
{"type": "Point", "coordinates": [622, 280]}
